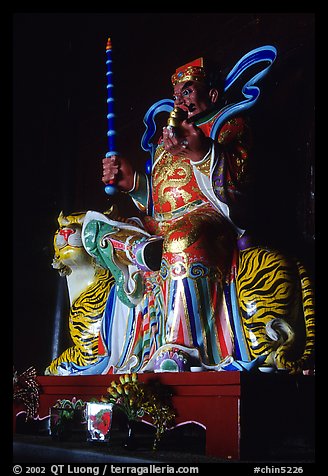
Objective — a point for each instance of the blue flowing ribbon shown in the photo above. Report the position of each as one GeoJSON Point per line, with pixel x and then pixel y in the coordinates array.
{"type": "Point", "coordinates": [250, 91]}
{"type": "Point", "coordinates": [164, 105]}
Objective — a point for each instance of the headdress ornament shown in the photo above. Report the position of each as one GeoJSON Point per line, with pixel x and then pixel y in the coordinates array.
{"type": "Point", "coordinates": [193, 71]}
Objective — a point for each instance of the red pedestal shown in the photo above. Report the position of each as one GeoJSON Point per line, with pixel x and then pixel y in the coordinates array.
{"type": "Point", "coordinates": [231, 406]}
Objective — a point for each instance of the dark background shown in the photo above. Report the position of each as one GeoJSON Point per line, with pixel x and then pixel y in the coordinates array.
{"type": "Point", "coordinates": [59, 133]}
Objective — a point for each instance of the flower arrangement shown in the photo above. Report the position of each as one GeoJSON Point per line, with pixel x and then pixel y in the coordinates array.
{"type": "Point", "coordinates": [26, 390]}
{"type": "Point", "coordinates": [69, 408]}
{"type": "Point", "coordinates": [63, 414]}
{"type": "Point", "coordinates": [137, 399]}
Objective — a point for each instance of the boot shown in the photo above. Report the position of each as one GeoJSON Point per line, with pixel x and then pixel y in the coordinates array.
{"type": "Point", "coordinates": [130, 244]}
{"type": "Point", "coordinates": [145, 253]}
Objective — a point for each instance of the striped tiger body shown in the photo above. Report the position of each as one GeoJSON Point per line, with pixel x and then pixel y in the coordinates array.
{"type": "Point", "coordinates": [88, 286]}
{"type": "Point", "coordinates": [276, 302]}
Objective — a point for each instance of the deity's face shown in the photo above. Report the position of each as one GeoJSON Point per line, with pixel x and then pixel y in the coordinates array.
{"type": "Point", "coordinates": [194, 97]}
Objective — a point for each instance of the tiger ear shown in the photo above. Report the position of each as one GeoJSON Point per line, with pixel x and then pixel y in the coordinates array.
{"type": "Point", "coordinates": [62, 220]}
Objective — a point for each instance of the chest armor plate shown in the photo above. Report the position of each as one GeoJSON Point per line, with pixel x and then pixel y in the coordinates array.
{"type": "Point", "coordinates": [174, 185]}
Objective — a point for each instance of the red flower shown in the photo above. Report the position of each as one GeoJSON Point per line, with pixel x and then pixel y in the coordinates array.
{"type": "Point", "coordinates": [102, 424]}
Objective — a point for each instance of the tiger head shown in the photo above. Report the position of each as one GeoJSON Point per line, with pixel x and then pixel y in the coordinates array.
{"type": "Point", "coordinates": [69, 250]}
{"type": "Point", "coordinates": [68, 246]}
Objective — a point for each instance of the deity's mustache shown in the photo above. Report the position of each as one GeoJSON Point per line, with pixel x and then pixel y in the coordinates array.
{"type": "Point", "coordinates": [191, 108]}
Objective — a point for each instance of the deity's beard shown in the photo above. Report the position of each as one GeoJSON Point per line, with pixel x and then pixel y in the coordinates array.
{"type": "Point", "coordinates": [199, 115]}
{"type": "Point", "coordinates": [191, 107]}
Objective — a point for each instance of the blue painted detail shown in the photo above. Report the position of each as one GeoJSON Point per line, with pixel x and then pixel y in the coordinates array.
{"type": "Point", "coordinates": [111, 189]}
{"type": "Point", "coordinates": [148, 166]}
{"type": "Point", "coordinates": [164, 105]}
{"type": "Point", "coordinates": [250, 91]}
{"type": "Point", "coordinates": [111, 132]}
{"type": "Point", "coordinates": [93, 369]}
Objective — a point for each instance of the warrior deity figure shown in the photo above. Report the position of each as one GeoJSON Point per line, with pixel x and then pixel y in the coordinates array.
{"type": "Point", "coordinates": [186, 250]}
{"type": "Point", "coordinates": [191, 290]}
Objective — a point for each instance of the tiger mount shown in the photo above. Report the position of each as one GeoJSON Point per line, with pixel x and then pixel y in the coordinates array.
{"type": "Point", "coordinates": [178, 293]}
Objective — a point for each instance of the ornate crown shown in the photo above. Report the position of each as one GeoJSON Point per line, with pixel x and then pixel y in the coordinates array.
{"type": "Point", "coordinates": [193, 71]}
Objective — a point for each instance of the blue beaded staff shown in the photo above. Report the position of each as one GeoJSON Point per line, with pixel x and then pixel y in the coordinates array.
{"type": "Point", "coordinates": [110, 188]}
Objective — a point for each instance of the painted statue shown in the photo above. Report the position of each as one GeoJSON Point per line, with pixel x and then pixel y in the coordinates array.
{"type": "Point", "coordinates": [191, 290]}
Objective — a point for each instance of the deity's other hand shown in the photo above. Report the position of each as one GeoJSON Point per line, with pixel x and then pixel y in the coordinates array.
{"type": "Point", "coordinates": [119, 171]}
{"type": "Point", "coordinates": [173, 142]}
{"type": "Point", "coordinates": [187, 141]}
